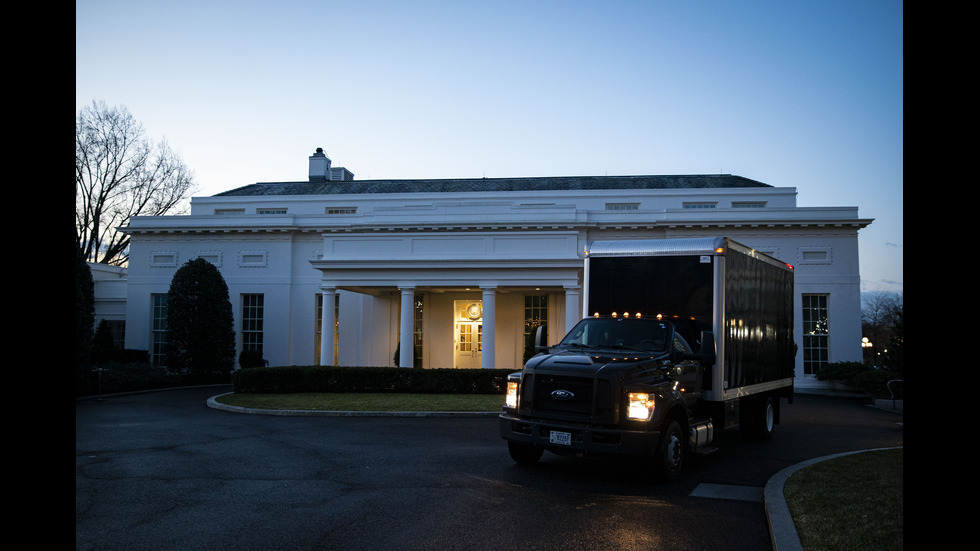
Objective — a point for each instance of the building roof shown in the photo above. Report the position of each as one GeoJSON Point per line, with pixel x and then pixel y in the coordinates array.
{"type": "Point", "coordinates": [550, 183]}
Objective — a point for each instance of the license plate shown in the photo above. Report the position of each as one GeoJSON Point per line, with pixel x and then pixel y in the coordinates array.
{"type": "Point", "coordinates": [563, 438]}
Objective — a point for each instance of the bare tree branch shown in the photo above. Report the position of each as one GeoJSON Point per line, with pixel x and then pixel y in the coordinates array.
{"type": "Point", "coordinates": [119, 174]}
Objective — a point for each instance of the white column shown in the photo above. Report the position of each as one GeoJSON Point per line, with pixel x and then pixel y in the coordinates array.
{"type": "Point", "coordinates": [489, 327]}
{"type": "Point", "coordinates": [572, 309]}
{"type": "Point", "coordinates": [405, 330]}
{"type": "Point", "coordinates": [328, 321]}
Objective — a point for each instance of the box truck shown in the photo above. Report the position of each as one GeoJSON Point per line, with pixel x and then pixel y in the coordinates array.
{"type": "Point", "coordinates": [678, 338]}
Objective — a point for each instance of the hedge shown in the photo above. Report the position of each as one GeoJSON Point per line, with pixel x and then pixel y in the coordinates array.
{"type": "Point", "coordinates": [291, 379]}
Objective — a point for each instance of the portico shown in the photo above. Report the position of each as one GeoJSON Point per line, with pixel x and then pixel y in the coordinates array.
{"type": "Point", "coordinates": [464, 275]}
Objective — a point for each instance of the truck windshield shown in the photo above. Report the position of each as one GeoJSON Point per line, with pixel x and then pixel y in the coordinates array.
{"type": "Point", "coordinates": [636, 334]}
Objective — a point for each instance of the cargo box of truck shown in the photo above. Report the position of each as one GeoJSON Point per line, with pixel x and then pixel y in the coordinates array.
{"type": "Point", "coordinates": [679, 338]}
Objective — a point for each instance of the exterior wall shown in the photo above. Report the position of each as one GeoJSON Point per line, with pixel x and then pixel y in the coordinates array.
{"type": "Point", "coordinates": [453, 246]}
{"type": "Point", "coordinates": [110, 292]}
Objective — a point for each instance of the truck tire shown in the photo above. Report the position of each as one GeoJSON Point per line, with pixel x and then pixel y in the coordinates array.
{"type": "Point", "coordinates": [671, 452]}
{"type": "Point", "coordinates": [757, 417]}
{"type": "Point", "coordinates": [524, 454]}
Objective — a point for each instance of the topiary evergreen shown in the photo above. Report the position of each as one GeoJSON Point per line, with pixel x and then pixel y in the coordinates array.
{"type": "Point", "coordinates": [200, 323]}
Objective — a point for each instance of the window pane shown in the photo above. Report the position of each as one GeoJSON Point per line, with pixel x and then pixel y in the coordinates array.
{"type": "Point", "coordinates": [816, 330]}
{"type": "Point", "coordinates": [158, 330]}
{"type": "Point", "coordinates": [252, 313]}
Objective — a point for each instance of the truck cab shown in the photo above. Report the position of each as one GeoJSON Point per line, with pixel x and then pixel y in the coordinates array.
{"type": "Point", "coordinates": [616, 385]}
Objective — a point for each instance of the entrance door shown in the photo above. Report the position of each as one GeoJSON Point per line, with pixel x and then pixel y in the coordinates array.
{"type": "Point", "coordinates": [469, 334]}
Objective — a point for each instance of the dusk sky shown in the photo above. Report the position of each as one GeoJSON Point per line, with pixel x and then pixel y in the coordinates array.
{"type": "Point", "coordinates": [802, 94]}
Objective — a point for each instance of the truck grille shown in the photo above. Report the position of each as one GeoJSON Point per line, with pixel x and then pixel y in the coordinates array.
{"type": "Point", "coordinates": [566, 395]}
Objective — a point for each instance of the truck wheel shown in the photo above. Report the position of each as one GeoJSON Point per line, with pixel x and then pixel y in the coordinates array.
{"type": "Point", "coordinates": [670, 452]}
{"type": "Point", "coordinates": [758, 417]}
{"type": "Point", "coordinates": [524, 453]}
{"type": "Point", "coordinates": [767, 418]}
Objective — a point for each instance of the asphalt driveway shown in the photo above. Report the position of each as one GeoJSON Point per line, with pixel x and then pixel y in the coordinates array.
{"type": "Point", "coordinates": [163, 471]}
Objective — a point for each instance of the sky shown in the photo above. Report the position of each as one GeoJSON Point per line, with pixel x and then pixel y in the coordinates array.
{"type": "Point", "coordinates": [805, 94]}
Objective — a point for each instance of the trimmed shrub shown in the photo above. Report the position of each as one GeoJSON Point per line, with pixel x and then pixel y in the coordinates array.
{"type": "Point", "coordinates": [200, 324]}
{"type": "Point", "coordinates": [250, 358]}
{"type": "Point", "coordinates": [860, 377]}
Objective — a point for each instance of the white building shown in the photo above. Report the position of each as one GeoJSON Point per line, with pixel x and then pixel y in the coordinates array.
{"type": "Point", "coordinates": [109, 289]}
{"type": "Point", "coordinates": [460, 269]}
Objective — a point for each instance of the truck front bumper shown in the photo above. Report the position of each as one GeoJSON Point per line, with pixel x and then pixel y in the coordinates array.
{"type": "Point", "coordinates": [563, 437]}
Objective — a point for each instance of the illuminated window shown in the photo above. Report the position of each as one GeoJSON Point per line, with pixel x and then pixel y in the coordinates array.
{"type": "Point", "coordinates": [465, 337]}
{"type": "Point", "coordinates": [816, 333]}
{"type": "Point", "coordinates": [319, 329]}
{"type": "Point", "coordinates": [535, 314]}
{"type": "Point", "coordinates": [417, 332]}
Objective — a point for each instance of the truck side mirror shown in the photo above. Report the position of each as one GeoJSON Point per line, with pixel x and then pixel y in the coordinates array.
{"type": "Point", "coordinates": [708, 352]}
{"type": "Point", "coordinates": [541, 339]}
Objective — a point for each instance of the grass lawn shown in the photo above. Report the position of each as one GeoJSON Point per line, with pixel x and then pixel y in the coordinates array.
{"type": "Point", "coordinates": [367, 402]}
{"type": "Point", "coordinates": [849, 502]}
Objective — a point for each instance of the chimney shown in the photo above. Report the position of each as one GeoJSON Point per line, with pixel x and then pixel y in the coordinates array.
{"type": "Point", "coordinates": [319, 166]}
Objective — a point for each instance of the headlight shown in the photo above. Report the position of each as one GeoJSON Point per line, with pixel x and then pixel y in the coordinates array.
{"type": "Point", "coordinates": [512, 388]}
{"type": "Point", "coordinates": [640, 406]}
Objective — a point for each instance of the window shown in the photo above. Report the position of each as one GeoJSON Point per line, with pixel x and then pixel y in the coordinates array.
{"type": "Point", "coordinates": [229, 211]}
{"type": "Point", "coordinates": [253, 259]}
{"type": "Point", "coordinates": [270, 211]}
{"type": "Point", "coordinates": [118, 330]}
{"type": "Point", "coordinates": [163, 259]}
{"type": "Point", "coordinates": [700, 205]}
{"type": "Point", "coordinates": [214, 257]}
{"type": "Point", "coordinates": [466, 337]}
{"type": "Point", "coordinates": [252, 313]}
{"type": "Point", "coordinates": [816, 332]}
{"type": "Point", "coordinates": [341, 210]}
{"type": "Point", "coordinates": [417, 332]}
{"type": "Point", "coordinates": [535, 314]}
{"type": "Point", "coordinates": [158, 330]}
{"type": "Point", "coordinates": [622, 206]}
{"type": "Point", "coordinates": [815, 255]}
{"type": "Point", "coordinates": [748, 204]}
{"type": "Point", "coordinates": [319, 329]}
